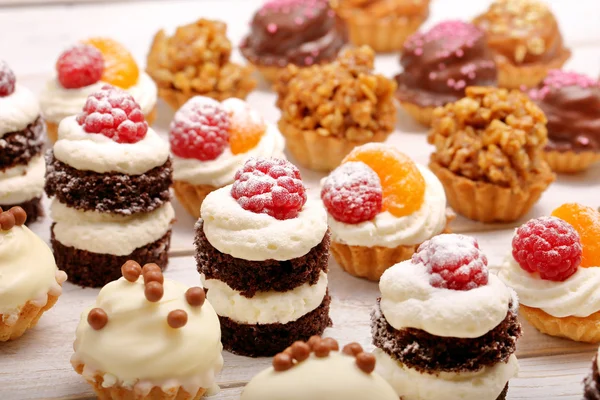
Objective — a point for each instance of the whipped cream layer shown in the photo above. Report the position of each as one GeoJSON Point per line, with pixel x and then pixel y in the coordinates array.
{"type": "Point", "coordinates": [410, 384]}
{"type": "Point", "coordinates": [386, 230]}
{"type": "Point", "coordinates": [409, 301]}
{"type": "Point", "coordinates": [106, 233]}
{"type": "Point", "coordinates": [577, 296]}
{"type": "Point", "coordinates": [333, 377]}
{"type": "Point", "coordinates": [138, 350]}
{"type": "Point", "coordinates": [22, 182]}
{"type": "Point", "coordinates": [258, 237]}
{"type": "Point", "coordinates": [18, 110]}
{"type": "Point", "coordinates": [95, 152]}
{"type": "Point", "coordinates": [58, 103]}
{"type": "Point", "coordinates": [265, 307]}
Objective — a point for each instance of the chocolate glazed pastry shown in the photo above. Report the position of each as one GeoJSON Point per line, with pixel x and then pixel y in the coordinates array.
{"type": "Point", "coordinates": [591, 383]}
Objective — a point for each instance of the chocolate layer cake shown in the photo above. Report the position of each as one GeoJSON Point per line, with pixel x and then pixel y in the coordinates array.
{"type": "Point", "coordinates": [592, 383]}
{"type": "Point", "coordinates": [33, 208]}
{"type": "Point", "coordinates": [20, 147]}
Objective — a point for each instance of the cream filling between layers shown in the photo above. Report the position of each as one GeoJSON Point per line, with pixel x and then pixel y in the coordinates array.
{"type": "Point", "coordinates": [386, 230]}
{"type": "Point", "coordinates": [265, 307]}
{"type": "Point", "coordinates": [105, 233]}
{"type": "Point", "coordinates": [18, 110]}
{"type": "Point", "coordinates": [410, 384]}
{"type": "Point", "coordinates": [22, 182]}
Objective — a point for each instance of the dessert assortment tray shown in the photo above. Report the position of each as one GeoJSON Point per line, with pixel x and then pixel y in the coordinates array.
{"type": "Point", "coordinates": [37, 366]}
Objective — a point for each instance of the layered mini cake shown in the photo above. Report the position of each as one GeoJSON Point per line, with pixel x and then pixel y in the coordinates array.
{"type": "Point", "coordinates": [317, 370]}
{"type": "Point", "coordinates": [108, 176]}
{"type": "Point", "coordinates": [444, 327]}
{"type": "Point", "coordinates": [592, 381]}
{"type": "Point", "coordinates": [31, 282]}
{"type": "Point", "coordinates": [148, 338]}
{"type": "Point", "coordinates": [262, 249]}
{"type": "Point", "coordinates": [21, 139]}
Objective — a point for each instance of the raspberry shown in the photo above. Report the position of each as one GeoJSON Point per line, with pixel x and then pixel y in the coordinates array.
{"type": "Point", "coordinates": [269, 186]}
{"type": "Point", "coordinates": [113, 113]}
{"type": "Point", "coordinates": [454, 262]}
{"type": "Point", "coordinates": [352, 193]}
{"type": "Point", "coordinates": [80, 66]}
{"type": "Point", "coordinates": [7, 80]}
{"type": "Point", "coordinates": [200, 129]}
{"type": "Point", "coordinates": [548, 245]}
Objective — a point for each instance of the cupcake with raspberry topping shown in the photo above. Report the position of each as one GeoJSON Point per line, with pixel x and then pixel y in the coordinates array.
{"type": "Point", "coordinates": [108, 176]}
{"type": "Point", "coordinates": [571, 102]}
{"type": "Point", "coordinates": [210, 141]}
{"type": "Point", "coordinates": [318, 370]}
{"type": "Point", "coordinates": [439, 64]}
{"type": "Point", "coordinates": [262, 249]}
{"type": "Point", "coordinates": [84, 69]}
{"type": "Point", "coordinates": [554, 268]}
{"type": "Point", "coordinates": [444, 327]}
{"type": "Point", "coordinates": [381, 206]}
{"type": "Point", "coordinates": [21, 139]}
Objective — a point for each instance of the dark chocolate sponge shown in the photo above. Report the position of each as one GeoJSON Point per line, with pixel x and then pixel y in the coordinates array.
{"type": "Point", "coordinates": [18, 148]}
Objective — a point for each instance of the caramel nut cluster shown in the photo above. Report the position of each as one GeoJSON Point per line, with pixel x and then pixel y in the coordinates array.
{"type": "Point", "coordinates": [16, 216]}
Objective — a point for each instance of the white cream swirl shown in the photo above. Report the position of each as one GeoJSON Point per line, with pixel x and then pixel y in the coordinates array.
{"type": "Point", "coordinates": [18, 110]}
{"type": "Point", "coordinates": [386, 230]}
{"type": "Point", "coordinates": [98, 153]}
{"type": "Point", "coordinates": [58, 103]}
{"type": "Point", "coordinates": [137, 348]}
{"type": "Point", "coordinates": [22, 182]}
{"type": "Point", "coordinates": [258, 237]}
{"type": "Point", "coordinates": [577, 296]}
{"type": "Point", "coordinates": [408, 300]}
{"type": "Point", "coordinates": [106, 233]}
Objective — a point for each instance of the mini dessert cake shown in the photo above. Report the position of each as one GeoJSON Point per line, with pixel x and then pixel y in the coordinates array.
{"type": "Point", "coordinates": [21, 140]}
{"type": "Point", "coordinates": [592, 381]}
{"type": "Point", "coordinates": [262, 249]}
{"type": "Point", "coordinates": [439, 64]}
{"type": "Point", "coordinates": [383, 25]}
{"type": "Point", "coordinates": [489, 154]}
{"type": "Point", "coordinates": [444, 327]}
{"type": "Point", "coordinates": [381, 206]}
{"type": "Point", "coordinates": [317, 370]}
{"type": "Point", "coordinates": [195, 62]}
{"type": "Point", "coordinates": [31, 282]}
{"type": "Point", "coordinates": [571, 103]}
{"type": "Point", "coordinates": [526, 40]}
{"type": "Point", "coordinates": [108, 176]}
{"type": "Point", "coordinates": [83, 70]}
{"type": "Point", "coordinates": [327, 110]}
{"type": "Point", "coordinates": [298, 32]}
{"type": "Point", "coordinates": [148, 338]}
{"type": "Point", "coordinates": [210, 141]}
{"type": "Point", "coordinates": [554, 270]}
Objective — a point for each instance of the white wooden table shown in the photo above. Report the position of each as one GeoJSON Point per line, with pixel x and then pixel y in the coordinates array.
{"type": "Point", "coordinates": [37, 366]}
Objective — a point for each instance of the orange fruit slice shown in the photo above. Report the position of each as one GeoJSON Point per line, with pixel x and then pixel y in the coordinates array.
{"type": "Point", "coordinates": [586, 221]}
{"type": "Point", "coordinates": [246, 127]}
{"type": "Point", "coordinates": [120, 68]}
{"type": "Point", "coordinates": [402, 183]}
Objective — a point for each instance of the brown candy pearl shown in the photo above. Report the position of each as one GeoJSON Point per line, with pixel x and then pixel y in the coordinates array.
{"type": "Point", "coordinates": [352, 349]}
{"type": "Point", "coordinates": [321, 350]}
{"type": "Point", "coordinates": [19, 214]}
{"type": "Point", "coordinates": [154, 276]}
{"type": "Point", "coordinates": [313, 341]}
{"type": "Point", "coordinates": [131, 271]}
{"type": "Point", "coordinates": [332, 344]}
{"type": "Point", "coordinates": [97, 318]}
{"type": "Point", "coordinates": [366, 362]}
{"type": "Point", "coordinates": [300, 351]}
{"type": "Point", "coordinates": [282, 362]}
{"type": "Point", "coordinates": [150, 267]}
{"type": "Point", "coordinates": [177, 319]}
{"type": "Point", "coordinates": [7, 221]}
{"type": "Point", "coordinates": [195, 296]}
{"type": "Point", "coordinates": [154, 291]}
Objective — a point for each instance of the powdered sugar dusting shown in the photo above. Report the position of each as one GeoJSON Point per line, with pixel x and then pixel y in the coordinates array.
{"type": "Point", "coordinates": [558, 79]}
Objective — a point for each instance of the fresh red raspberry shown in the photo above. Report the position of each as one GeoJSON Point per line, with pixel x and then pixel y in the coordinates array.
{"type": "Point", "coordinates": [7, 80]}
{"type": "Point", "coordinates": [115, 114]}
{"type": "Point", "coordinates": [269, 186]}
{"type": "Point", "coordinates": [548, 245]}
{"type": "Point", "coordinates": [200, 130]}
{"type": "Point", "coordinates": [80, 66]}
{"type": "Point", "coordinates": [454, 262]}
{"type": "Point", "coordinates": [352, 193]}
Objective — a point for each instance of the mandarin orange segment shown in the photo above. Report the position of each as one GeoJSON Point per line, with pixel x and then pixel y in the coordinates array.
{"type": "Point", "coordinates": [402, 183]}
{"type": "Point", "coordinates": [120, 68]}
{"type": "Point", "coordinates": [244, 134]}
{"type": "Point", "coordinates": [586, 221]}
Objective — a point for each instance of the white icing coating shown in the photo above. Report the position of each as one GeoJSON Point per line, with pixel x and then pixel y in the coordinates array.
{"type": "Point", "coordinates": [265, 307]}
{"type": "Point", "coordinates": [386, 230]}
{"type": "Point", "coordinates": [58, 103]}
{"type": "Point", "coordinates": [577, 296]}
{"type": "Point", "coordinates": [409, 301]}
{"type": "Point", "coordinates": [18, 110]}
{"type": "Point", "coordinates": [258, 237]}
{"type": "Point", "coordinates": [137, 348]}
{"type": "Point", "coordinates": [95, 152]}
{"type": "Point", "coordinates": [22, 182]}
{"type": "Point", "coordinates": [328, 378]}
{"type": "Point", "coordinates": [410, 384]}
{"type": "Point", "coordinates": [106, 233]}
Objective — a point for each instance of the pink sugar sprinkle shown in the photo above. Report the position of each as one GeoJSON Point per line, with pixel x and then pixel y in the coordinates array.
{"type": "Point", "coordinates": [460, 85]}
{"type": "Point", "coordinates": [298, 20]}
{"type": "Point", "coordinates": [459, 53]}
{"type": "Point", "coordinates": [285, 6]}
{"type": "Point", "coordinates": [331, 13]}
{"type": "Point", "coordinates": [558, 79]}
{"type": "Point", "coordinates": [451, 82]}
{"type": "Point", "coordinates": [441, 66]}
{"type": "Point", "coordinates": [468, 68]}
{"type": "Point", "coordinates": [472, 75]}
{"type": "Point", "coordinates": [443, 31]}
{"type": "Point", "coordinates": [432, 75]}
{"type": "Point", "coordinates": [418, 51]}
{"type": "Point", "coordinates": [309, 60]}
{"type": "Point", "coordinates": [272, 28]}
